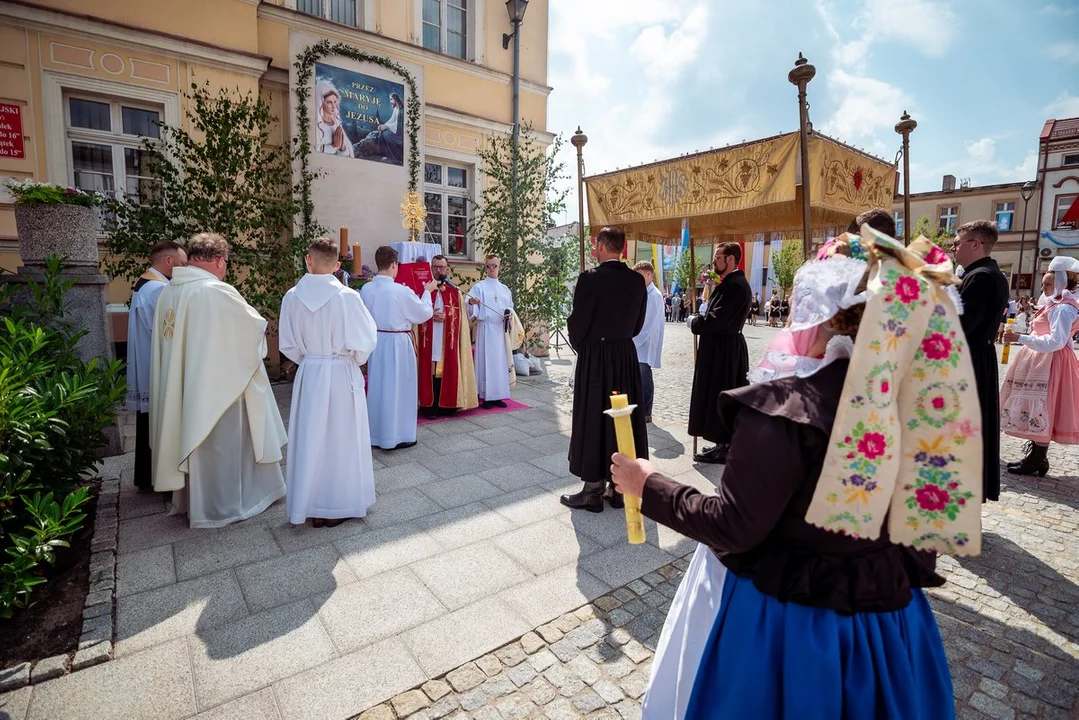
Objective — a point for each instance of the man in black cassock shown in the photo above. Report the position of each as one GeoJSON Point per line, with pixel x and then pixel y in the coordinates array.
{"type": "Point", "coordinates": [722, 355]}
{"type": "Point", "coordinates": [609, 308]}
{"type": "Point", "coordinates": [985, 294]}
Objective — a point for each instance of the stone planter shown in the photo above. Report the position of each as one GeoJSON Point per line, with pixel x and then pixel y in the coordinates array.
{"type": "Point", "coordinates": [68, 230]}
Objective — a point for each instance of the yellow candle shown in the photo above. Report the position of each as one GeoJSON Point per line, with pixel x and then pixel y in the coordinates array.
{"type": "Point", "coordinates": [344, 242]}
{"type": "Point", "coordinates": [620, 411]}
{"type": "Point", "coordinates": [356, 264]}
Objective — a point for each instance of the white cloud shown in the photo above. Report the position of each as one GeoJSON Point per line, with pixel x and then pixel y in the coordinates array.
{"type": "Point", "coordinates": [1065, 52]}
{"type": "Point", "coordinates": [1064, 106]}
{"type": "Point", "coordinates": [666, 55]}
{"type": "Point", "coordinates": [982, 166]}
{"type": "Point", "coordinates": [864, 106]}
{"type": "Point", "coordinates": [925, 25]}
{"type": "Point", "coordinates": [1052, 9]}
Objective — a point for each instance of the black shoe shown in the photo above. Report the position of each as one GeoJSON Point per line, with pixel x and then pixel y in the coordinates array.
{"type": "Point", "coordinates": [487, 405]}
{"type": "Point", "coordinates": [615, 498]}
{"type": "Point", "coordinates": [404, 445]}
{"type": "Point", "coordinates": [1028, 450]}
{"type": "Point", "coordinates": [499, 403]}
{"type": "Point", "coordinates": [429, 413]}
{"type": "Point", "coordinates": [715, 455]}
{"type": "Point", "coordinates": [1037, 463]}
{"type": "Point", "coordinates": [592, 502]}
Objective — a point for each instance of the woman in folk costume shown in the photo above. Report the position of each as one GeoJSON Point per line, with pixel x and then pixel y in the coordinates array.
{"type": "Point", "coordinates": [856, 457]}
{"type": "Point", "coordinates": [1037, 402]}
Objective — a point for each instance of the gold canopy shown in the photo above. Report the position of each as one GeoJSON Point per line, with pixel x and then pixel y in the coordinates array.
{"type": "Point", "coordinates": [741, 190]}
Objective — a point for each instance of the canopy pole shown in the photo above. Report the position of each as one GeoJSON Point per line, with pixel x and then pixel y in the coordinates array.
{"type": "Point", "coordinates": [802, 73]}
{"type": "Point", "coordinates": [692, 296]}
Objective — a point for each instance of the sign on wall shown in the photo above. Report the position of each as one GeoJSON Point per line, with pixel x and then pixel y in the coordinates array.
{"type": "Point", "coordinates": [358, 115]}
{"type": "Point", "coordinates": [11, 141]}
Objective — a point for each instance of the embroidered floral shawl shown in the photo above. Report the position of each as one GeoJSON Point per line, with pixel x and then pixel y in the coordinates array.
{"type": "Point", "coordinates": [906, 443]}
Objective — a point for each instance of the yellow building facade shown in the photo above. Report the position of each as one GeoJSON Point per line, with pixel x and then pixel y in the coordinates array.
{"type": "Point", "coordinates": [84, 80]}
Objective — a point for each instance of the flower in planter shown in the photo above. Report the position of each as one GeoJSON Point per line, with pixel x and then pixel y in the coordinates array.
{"type": "Point", "coordinates": [31, 192]}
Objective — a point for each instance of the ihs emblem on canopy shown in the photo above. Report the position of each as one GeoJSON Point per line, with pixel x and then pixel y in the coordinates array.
{"type": "Point", "coordinates": [413, 213]}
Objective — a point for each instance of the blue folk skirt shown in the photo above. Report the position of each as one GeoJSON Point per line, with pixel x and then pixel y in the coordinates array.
{"type": "Point", "coordinates": [765, 659]}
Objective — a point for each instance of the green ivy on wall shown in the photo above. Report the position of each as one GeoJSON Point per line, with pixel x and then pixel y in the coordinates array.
{"type": "Point", "coordinates": [305, 68]}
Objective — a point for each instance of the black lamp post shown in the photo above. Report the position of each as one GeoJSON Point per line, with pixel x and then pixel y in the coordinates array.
{"type": "Point", "coordinates": [1027, 192]}
{"type": "Point", "coordinates": [516, 10]}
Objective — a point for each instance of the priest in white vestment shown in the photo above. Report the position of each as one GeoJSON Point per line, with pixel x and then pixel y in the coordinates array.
{"type": "Point", "coordinates": [490, 302]}
{"type": "Point", "coordinates": [393, 392]}
{"type": "Point", "coordinates": [215, 428]}
{"type": "Point", "coordinates": [140, 329]}
{"type": "Point", "coordinates": [328, 332]}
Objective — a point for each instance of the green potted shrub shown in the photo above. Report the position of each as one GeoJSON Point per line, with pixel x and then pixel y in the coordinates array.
{"type": "Point", "coordinates": [52, 219]}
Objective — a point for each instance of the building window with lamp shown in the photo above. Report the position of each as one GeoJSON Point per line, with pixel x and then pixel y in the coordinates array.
{"type": "Point", "coordinates": [104, 144]}
{"type": "Point", "coordinates": [447, 196]}
{"type": "Point", "coordinates": [345, 12]}
{"type": "Point", "coordinates": [1004, 213]}
{"type": "Point", "coordinates": [949, 219]}
{"type": "Point", "coordinates": [445, 27]}
{"type": "Point", "coordinates": [898, 217]}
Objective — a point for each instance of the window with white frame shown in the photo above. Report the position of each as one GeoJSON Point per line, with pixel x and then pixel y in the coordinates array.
{"type": "Point", "coordinates": [898, 217]}
{"type": "Point", "coordinates": [447, 195]}
{"type": "Point", "coordinates": [104, 143]}
{"type": "Point", "coordinates": [345, 12]}
{"type": "Point", "coordinates": [949, 218]}
{"type": "Point", "coordinates": [1063, 204]}
{"type": "Point", "coordinates": [1005, 216]}
{"type": "Point", "coordinates": [445, 27]}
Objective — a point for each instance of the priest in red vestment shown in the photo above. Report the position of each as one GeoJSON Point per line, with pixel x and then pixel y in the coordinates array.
{"type": "Point", "coordinates": [446, 375]}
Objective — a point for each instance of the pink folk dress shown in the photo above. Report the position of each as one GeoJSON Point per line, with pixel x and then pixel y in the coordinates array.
{"type": "Point", "coordinates": [1037, 401]}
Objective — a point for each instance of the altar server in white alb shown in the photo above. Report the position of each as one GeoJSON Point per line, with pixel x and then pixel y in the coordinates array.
{"type": "Point", "coordinates": [328, 332]}
{"type": "Point", "coordinates": [215, 429]}
{"type": "Point", "coordinates": [491, 303]}
{"type": "Point", "coordinates": [140, 330]}
{"type": "Point", "coordinates": [393, 395]}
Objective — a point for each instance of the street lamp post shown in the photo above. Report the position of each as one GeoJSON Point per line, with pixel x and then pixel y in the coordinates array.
{"type": "Point", "coordinates": [578, 140]}
{"type": "Point", "coordinates": [516, 10]}
{"type": "Point", "coordinates": [1027, 192]}
{"type": "Point", "coordinates": [802, 73]}
{"type": "Point", "coordinates": [905, 127]}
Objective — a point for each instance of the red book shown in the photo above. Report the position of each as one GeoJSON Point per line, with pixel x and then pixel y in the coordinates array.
{"type": "Point", "coordinates": [415, 275]}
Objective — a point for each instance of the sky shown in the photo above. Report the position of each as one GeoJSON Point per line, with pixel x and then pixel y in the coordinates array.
{"type": "Point", "coordinates": [653, 79]}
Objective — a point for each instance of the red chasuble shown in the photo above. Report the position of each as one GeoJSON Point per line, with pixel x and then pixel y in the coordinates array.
{"type": "Point", "coordinates": [458, 383]}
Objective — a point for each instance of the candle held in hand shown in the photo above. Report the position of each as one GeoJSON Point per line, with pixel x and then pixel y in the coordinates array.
{"type": "Point", "coordinates": [620, 412]}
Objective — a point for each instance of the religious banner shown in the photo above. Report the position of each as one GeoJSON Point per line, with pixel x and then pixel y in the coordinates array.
{"type": "Point", "coordinates": [358, 115]}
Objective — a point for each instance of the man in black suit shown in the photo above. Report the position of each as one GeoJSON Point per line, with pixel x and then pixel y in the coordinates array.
{"type": "Point", "coordinates": [609, 308]}
{"type": "Point", "coordinates": [985, 296]}
{"type": "Point", "coordinates": [722, 356]}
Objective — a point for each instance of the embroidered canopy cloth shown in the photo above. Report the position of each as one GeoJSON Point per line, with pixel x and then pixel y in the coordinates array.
{"type": "Point", "coordinates": [735, 191]}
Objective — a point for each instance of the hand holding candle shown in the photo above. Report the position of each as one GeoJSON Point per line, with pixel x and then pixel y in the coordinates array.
{"type": "Point", "coordinates": [620, 411]}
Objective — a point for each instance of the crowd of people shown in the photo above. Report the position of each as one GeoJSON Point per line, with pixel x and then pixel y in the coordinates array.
{"type": "Point", "coordinates": [862, 444]}
{"type": "Point", "coordinates": [208, 428]}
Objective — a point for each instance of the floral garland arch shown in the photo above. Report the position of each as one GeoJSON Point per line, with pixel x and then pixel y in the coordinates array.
{"type": "Point", "coordinates": [305, 68]}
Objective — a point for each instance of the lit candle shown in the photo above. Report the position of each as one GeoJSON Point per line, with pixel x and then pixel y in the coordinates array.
{"type": "Point", "coordinates": [356, 264]}
{"type": "Point", "coordinates": [344, 242]}
{"type": "Point", "coordinates": [620, 411]}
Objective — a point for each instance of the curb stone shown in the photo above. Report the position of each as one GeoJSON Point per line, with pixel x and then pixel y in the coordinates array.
{"type": "Point", "coordinates": [95, 644]}
{"type": "Point", "coordinates": [604, 674]}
